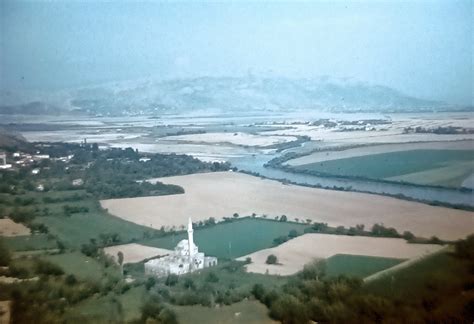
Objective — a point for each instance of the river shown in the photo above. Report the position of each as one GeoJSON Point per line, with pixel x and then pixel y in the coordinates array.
{"type": "Point", "coordinates": [256, 163]}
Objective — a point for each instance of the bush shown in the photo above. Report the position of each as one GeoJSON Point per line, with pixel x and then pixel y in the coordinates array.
{"type": "Point", "coordinates": [70, 280]}
{"type": "Point", "coordinates": [212, 277]}
{"type": "Point", "coordinates": [408, 235]}
{"type": "Point", "coordinates": [150, 282]}
{"type": "Point", "coordinates": [258, 291]}
{"type": "Point", "coordinates": [288, 309]}
{"type": "Point", "coordinates": [189, 284]}
{"type": "Point", "coordinates": [293, 233]}
{"type": "Point", "coordinates": [465, 248]}
{"type": "Point", "coordinates": [47, 268]}
{"type": "Point", "coordinates": [171, 280]}
{"type": "Point", "coordinates": [5, 256]}
{"type": "Point", "coordinates": [280, 240]}
{"type": "Point", "coordinates": [22, 215]}
{"type": "Point", "coordinates": [272, 259]}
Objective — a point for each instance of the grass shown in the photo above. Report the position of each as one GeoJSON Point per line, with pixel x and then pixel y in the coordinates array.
{"type": "Point", "coordinates": [233, 239]}
{"type": "Point", "coordinates": [112, 308]}
{"type": "Point", "coordinates": [30, 242]}
{"type": "Point", "coordinates": [132, 302]}
{"type": "Point", "coordinates": [358, 265]}
{"type": "Point", "coordinates": [248, 311]}
{"type": "Point", "coordinates": [106, 309]}
{"type": "Point", "coordinates": [396, 164]}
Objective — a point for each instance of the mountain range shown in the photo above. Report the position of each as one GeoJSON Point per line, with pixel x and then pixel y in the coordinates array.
{"type": "Point", "coordinates": [223, 94]}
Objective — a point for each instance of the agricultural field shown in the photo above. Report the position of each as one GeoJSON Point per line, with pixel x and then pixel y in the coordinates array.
{"type": "Point", "coordinates": [410, 281]}
{"type": "Point", "coordinates": [347, 151]}
{"type": "Point", "coordinates": [221, 194]}
{"type": "Point", "coordinates": [232, 239]}
{"type": "Point", "coordinates": [242, 139]}
{"type": "Point", "coordinates": [294, 254]}
{"type": "Point", "coordinates": [10, 228]}
{"type": "Point", "coordinates": [428, 167]}
{"type": "Point", "coordinates": [359, 266]}
{"type": "Point", "coordinates": [251, 312]}
{"type": "Point", "coordinates": [134, 252]}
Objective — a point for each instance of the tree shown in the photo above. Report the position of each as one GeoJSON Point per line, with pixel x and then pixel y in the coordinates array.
{"type": "Point", "coordinates": [189, 284]}
{"type": "Point", "coordinates": [235, 215]}
{"type": "Point", "coordinates": [465, 248]}
{"type": "Point", "coordinates": [5, 255]}
{"type": "Point", "coordinates": [212, 277]}
{"type": "Point", "coordinates": [320, 227]}
{"type": "Point", "coordinates": [150, 282]}
{"type": "Point", "coordinates": [283, 218]}
{"type": "Point", "coordinates": [272, 259]}
{"type": "Point", "coordinates": [293, 233]}
{"type": "Point", "coordinates": [171, 280]}
{"type": "Point", "coordinates": [258, 291]}
{"type": "Point", "coordinates": [288, 309]}
{"type": "Point", "coordinates": [47, 268]}
{"type": "Point", "coordinates": [314, 271]}
{"type": "Point", "coordinates": [408, 235]}
{"type": "Point", "coordinates": [168, 316]}
{"type": "Point", "coordinates": [120, 260]}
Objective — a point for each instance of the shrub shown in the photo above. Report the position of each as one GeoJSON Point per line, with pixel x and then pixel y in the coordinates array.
{"type": "Point", "coordinates": [5, 256]}
{"type": "Point", "coordinates": [189, 284]}
{"type": "Point", "coordinates": [293, 233]}
{"type": "Point", "coordinates": [408, 235]}
{"type": "Point", "coordinates": [70, 280]}
{"type": "Point", "coordinates": [258, 291]}
{"type": "Point", "coordinates": [171, 280]}
{"type": "Point", "coordinates": [47, 268]}
{"type": "Point", "coordinates": [212, 277]}
{"type": "Point", "coordinates": [272, 259]}
{"type": "Point", "coordinates": [150, 282]}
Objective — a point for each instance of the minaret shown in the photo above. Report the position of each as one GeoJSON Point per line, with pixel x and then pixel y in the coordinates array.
{"type": "Point", "coordinates": [190, 237]}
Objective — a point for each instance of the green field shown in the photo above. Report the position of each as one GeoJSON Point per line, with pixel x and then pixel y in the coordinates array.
{"type": "Point", "coordinates": [241, 312]}
{"type": "Point", "coordinates": [412, 281]}
{"type": "Point", "coordinates": [233, 239]}
{"type": "Point", "coordinates": [30, 242]}
{"type": "Point", "coordinates": [79, 228]}
{"type": "Point", "coordinates": [80, 265]}
{"type": "Point", "coordinates": [427, 167]}
{"type": "Point", "coordinates": [109, 309]}
{"type": "Point", "coordinates": [358, 265]}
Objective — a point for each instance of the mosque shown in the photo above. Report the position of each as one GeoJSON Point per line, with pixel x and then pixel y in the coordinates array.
{"type": "Point", "coordinates": [184, 259]}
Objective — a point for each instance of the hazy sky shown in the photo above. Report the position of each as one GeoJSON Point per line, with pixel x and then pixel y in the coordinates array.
{"type": "Point", "coordinates": [423, 48]}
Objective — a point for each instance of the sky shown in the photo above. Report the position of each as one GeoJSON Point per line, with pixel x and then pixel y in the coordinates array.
{"type": "Point", "coordinates": [422, 48]}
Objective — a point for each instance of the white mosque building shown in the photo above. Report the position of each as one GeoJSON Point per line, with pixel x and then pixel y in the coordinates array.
{"type": "Point", "coordinates": [184, 259]}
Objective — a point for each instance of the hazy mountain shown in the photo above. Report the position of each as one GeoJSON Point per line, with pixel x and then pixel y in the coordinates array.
{"type": "Point", "coordinates": [234, 94]}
